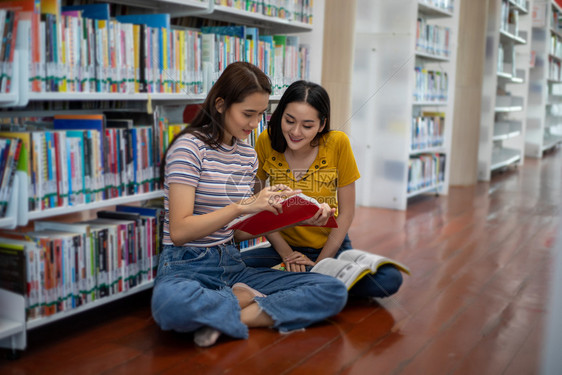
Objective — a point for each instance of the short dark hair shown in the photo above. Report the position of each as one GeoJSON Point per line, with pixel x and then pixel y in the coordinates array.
{"type": "Point", "coordinates": [236, 82]}
{"type": "Point", "coordinates": [300, 92]}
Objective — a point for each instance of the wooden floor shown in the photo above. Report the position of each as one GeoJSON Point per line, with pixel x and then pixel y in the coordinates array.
{"type": "Point", "coordinates": [475, 303]}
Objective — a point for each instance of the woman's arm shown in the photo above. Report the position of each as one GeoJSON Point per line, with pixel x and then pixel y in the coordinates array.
{"type": "Point", "coordinates": [275, 239]}
{"type": "Point", "coordinates": [346, 212]}
{"type": "Point", "coordinates": [186, 227]}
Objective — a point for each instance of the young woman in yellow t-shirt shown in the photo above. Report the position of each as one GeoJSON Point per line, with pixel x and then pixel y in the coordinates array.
{"type": "Point", "coordinates": [299, 150]}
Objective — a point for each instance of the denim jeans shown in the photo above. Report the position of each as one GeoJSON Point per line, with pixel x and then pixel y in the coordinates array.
{"type": "Point", "coordinates": [193, 290]}
{"type": "Point", "coordinates": [385, 282]}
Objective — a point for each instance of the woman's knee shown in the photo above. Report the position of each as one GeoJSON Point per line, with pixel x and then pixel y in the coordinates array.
{"type": "Point", "coordinates": [334, 293]}
{"type": "Point", "coordinates": [392, 279]}
{"type": "Point", "coordinates": [172, 310]}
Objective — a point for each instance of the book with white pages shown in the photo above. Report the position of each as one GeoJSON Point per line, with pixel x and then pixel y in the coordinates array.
{"type": "Point", "coordinates": [352, 265]}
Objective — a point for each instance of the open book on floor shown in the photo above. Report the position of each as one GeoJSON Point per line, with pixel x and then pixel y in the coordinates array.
{"type": "Point", "coordinates": [295, 209]}
{"type": "Point", "coordinates": [352, 265]}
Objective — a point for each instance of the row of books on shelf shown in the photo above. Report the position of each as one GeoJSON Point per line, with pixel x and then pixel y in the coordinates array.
{"type": "Point", "coordinates": [430, 85]}
{"type": "Point", "coordinates": [553, 69]}
{"type": "Point", "coordinates": [447, 5]}
{"type": "Point", "coordinates": [85, 50]}
{"type": "Point", "coordinates": [428, 130]}
{"type": "Point", "coordinates": [290, 10]}
{"type": "Point", "coordinates": [425, 170]}
{"type": "Point", "coordinates": [556, 89]}
{"type": "Point", "coordinates": [281, 57]}
{"type": "Point", "coordinates": [61, 266]}
{"type": "Point", "coordinates": [432, 39]}
{"type": "Point", "coordinates": [554, 110]}
{"type": "Point", "coordinates": [556, 46]}
{"type": "Point", "coordinates": [78, 159]}
{"type": "Point", "coordinates": [254, 242]}
{"type": "Point", "coordinates": [509, 20]}
{"type": "Point", "coordinates": [556, 19]}
{"type": "Point", "coordinates": [504, 55]}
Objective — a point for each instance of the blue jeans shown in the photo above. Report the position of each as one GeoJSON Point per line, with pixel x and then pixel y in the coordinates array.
{"type": "Point", "coordinates": [385, 282]}
{"type": "Point", "coordinates": [193, 290]}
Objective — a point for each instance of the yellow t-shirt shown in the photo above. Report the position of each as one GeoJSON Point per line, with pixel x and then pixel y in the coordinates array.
{"type": "Point", "coordinates": [333, 167]}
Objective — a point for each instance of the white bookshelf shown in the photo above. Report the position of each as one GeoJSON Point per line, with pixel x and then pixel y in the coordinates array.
{"type": "Point", "coordinates": [544, 114]}
{"type": "Point", "coordinates": [50, 212]}
{"type": "Point", "coordinates": [504, 89]}
{"type": "Point", "coordinates": [384, 105]}
{"type": "Point", "coordinates": [178, 7]}
{"type": "Point", "coordinates": [34, 323]}
{"type": "Point", "coordinates": [276, 25]}
{"type": "Point", "coordinates": [13, 326]}
{"type": "Point", "coordinates": [12, 321]}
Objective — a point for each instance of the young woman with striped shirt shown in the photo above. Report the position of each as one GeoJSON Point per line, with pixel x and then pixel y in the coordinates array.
{"type": "Point", "coordinates": [203, 286]}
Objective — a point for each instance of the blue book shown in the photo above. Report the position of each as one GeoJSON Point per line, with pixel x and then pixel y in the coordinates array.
{"type": "Point", "coordinates": [143, 211]}
{"type": "Point", "coordinates": [95, 11]}
{"type": "Point", "coordinates": [78, 124]}
{"type": "Point", "coordinates": [152, 20]}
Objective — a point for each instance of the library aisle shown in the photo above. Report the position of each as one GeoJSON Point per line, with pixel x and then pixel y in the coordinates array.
{"type": "Point", "coordinates": [476, 302]}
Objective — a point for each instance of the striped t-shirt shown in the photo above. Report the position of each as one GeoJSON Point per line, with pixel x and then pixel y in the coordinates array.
{"type": "Point", "coordinates": [221, 176]}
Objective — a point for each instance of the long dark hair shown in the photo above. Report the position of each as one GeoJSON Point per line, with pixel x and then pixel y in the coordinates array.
{"type": "Point", "coordinates": [300, 92]}
{"type": "Point", "coordinates": [236, 82]}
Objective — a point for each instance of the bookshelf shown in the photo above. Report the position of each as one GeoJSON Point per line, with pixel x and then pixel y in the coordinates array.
{"type": "Point", "coordinates": [504, 90]}
{"type": "Point", "coordinates": [544, 113]}
{"type": "Point", "coordinates": [12, 320]}
{"type": "Point", "coordinates": [22, 101]}
{"type": "Point", "coordinates": [403, 99]}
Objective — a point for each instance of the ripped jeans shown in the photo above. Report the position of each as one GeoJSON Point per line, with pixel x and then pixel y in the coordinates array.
{"type": "Point", "coordinates": [193, 290]}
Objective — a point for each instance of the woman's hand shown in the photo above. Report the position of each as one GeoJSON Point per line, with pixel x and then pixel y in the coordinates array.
{"type": "Point", "coordinates": [297, 262]}
{"type": "Point", "coordinates": [321, 217]}
{"type": "Point", "coordinates": [268, 199]}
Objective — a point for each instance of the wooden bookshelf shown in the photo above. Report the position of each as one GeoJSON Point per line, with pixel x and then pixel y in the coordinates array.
{"type": "Point", "coordinates": [504, 89]}
{"type": "Point", "coordinates": [404, 72]}
{"type": "Point", "coordinates": [544, 113]}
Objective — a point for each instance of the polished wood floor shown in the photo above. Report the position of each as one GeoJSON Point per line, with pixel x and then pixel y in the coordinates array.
{"type": "Point", "coordinates": [475, 303]}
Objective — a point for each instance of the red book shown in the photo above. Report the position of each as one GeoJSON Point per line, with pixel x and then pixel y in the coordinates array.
{"type": "Point", "coordinates": [295, 209]}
